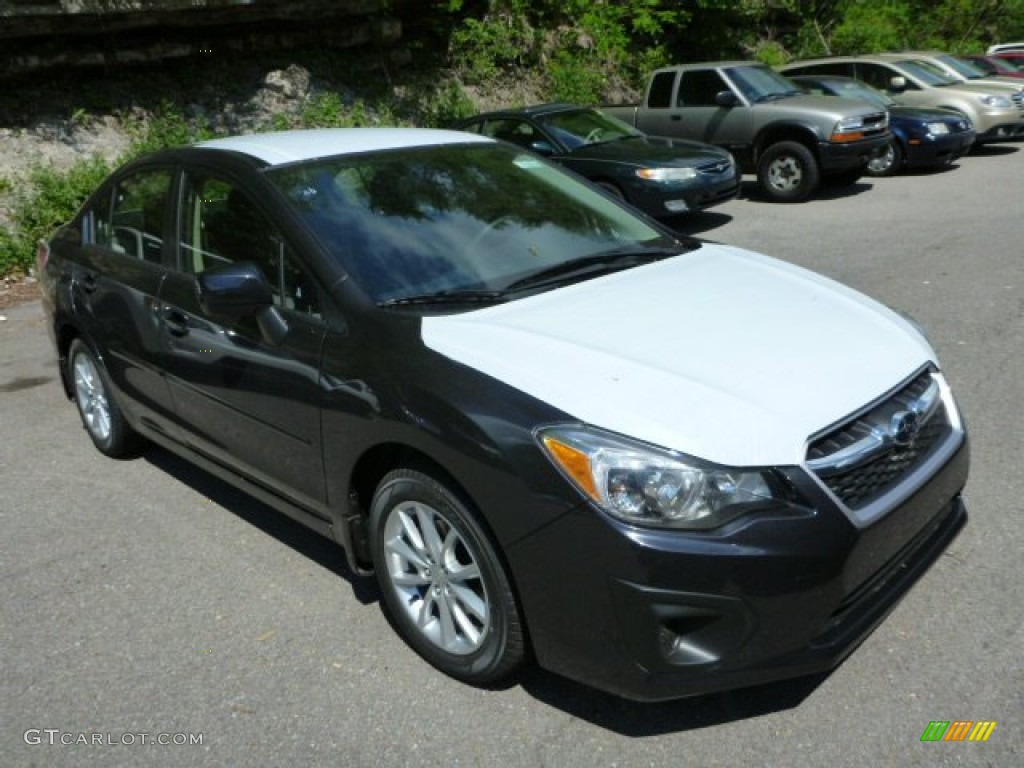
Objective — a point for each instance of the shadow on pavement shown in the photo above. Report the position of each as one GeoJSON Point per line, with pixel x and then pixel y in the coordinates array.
{"type": "Point", "coordinates": [320, 550]}
{"type": "Point", "coordinates": [630, 718]}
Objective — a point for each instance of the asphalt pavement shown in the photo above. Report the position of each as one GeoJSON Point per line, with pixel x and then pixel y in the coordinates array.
{"type": "Point", "coordinates": [145, 601]}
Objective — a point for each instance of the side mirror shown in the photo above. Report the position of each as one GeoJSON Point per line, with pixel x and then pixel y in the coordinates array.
{"type": "Point", "coordinates": [236, 290]}
{"type": "Point", "coordinates": [545, 148]}
{"type": "Point", "coordinates": [726, 99]}
{"type": "Point", "coordinates": [240, 290]}
{"type": "Point", "coordinates": [898, 84]}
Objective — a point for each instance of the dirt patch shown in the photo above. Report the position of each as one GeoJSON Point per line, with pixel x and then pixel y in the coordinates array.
{"type": "Point", "coordinates": [15, 291]}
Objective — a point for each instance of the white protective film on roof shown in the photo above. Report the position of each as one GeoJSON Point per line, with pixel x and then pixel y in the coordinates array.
{"type": "Point", "coordinates": [294, 146]}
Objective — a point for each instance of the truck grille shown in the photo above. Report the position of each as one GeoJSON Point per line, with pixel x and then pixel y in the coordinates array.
{"type": "Point", "coordinates": [873, 452]}
{"type": "Point", "coordinates": [876, 123]}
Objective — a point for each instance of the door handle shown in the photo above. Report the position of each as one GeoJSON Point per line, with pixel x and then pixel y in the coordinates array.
{"type": "Point", "coordinates": [176, 322]}
{"type": "Point", "coordinates": [675, 118]}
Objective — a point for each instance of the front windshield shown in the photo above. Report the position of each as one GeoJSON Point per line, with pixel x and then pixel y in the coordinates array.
{"type": "Point", "coordinates": [963, 68]}
{"type": "Point", "coordinates": [586, 126]}
{"type": "Point", "coordinates": [927, 73]}
{"type": "Point", "coordinates": [454, 218]}
{"type": "Point", "coordinates": [761, 83]}
{"type": "Point", "coordinates": [862, 92]}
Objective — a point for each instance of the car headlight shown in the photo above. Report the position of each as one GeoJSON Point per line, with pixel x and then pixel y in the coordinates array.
{"type": "Point", "coordinates": [647, 486]}
{"type": "Point", "coordinates": [848, 129]}
{"type": "Point", "coordinates": [937, 129]}
{"type": "Point", "coordinates": [996, 102]}
{"type": "Point", "coordinates": [667, 174]}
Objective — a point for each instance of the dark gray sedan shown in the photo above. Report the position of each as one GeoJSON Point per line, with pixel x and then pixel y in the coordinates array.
{"type": "Point", "coordinates": [662, 177]}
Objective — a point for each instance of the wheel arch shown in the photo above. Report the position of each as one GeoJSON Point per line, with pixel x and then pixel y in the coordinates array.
{"type": "Point", "coordinates": [366, 474]}
{"type": "Point", "coordinates": [776, 132]}
{"type": "Point", "coordinates": [65, 334]}
{"type": "Point", "coordinates": [368, 471]}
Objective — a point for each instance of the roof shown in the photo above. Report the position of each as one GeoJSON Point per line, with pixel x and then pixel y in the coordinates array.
{"type": "Point", "coordinates": [294, 146]}
{"type": "Point", "coordinates": [534, 110]}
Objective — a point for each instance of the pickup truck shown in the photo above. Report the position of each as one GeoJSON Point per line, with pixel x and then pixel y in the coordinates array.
{"type": "Point", "coordinates": [792, 141]}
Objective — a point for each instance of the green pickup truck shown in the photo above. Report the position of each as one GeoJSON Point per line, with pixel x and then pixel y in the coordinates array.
{"type": "Point", "coordinates": [791, 140]}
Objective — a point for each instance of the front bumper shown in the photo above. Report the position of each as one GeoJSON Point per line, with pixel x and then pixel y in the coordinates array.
{"type": "Point", "coordinates": [1002, 131]}
{"type": "Point", "coordinates": [938, 150]}
{"type": "Point", "coordinates": [662, 200]}
{"type": "Point", "coordinates": [837, 157]}
{"type": "Point", "coordinates": [653, 615]}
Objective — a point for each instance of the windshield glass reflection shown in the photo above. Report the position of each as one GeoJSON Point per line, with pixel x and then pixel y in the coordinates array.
{"type": "Point", "coordinates": [453, 218]}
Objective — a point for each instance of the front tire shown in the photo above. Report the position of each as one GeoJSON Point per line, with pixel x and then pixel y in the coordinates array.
{"type": "Point", "coordinates": [788, 172]}
{"type": "Point", "coordinates": [101, 417]}
{"type": "Point", "coordinates": [889, 163]}
{"type": "Point", "coordinates": [442, 580]}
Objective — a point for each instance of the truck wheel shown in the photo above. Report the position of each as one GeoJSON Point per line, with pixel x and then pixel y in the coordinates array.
{"type": "Point", "coordinates": [787, 172]}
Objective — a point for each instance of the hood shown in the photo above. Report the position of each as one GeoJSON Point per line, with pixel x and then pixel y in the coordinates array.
{"type": "Point", "coordinates": [720, 353]}
{"type": "Point", "coordinates": [813, 105]}
{"type": "Point", "coordinates": [927, 114]}
{"type": "Point", "coordinates": [644, 151]}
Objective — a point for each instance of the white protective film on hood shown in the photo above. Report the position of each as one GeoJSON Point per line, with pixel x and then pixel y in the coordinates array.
{"type": "Point", "coordinates": [720, 353]}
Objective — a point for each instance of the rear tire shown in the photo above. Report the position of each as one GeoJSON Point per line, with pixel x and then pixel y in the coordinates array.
{"type": "Point", "coordinates": [101, 417]}
{"type": "Point", "coordinates": [442, 580]}
{"type": "Point", "coordinates": [788, 172]}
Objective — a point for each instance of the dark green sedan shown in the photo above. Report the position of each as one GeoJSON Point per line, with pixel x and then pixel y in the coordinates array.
{"type": "Point", "coordinates": [662, 177]}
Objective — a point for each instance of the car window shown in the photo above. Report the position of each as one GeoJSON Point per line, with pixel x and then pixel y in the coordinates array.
{"type": "Point", "coordinates": [575, 128]}
{"type": "Point", "coordinates": [454, 218]}
{"type": "Point", "coordinates": [131, 221]}
{"type": "Point", "coordinates": [660, 96]}
{"type": "Point", "coordinates": [841, 68]}
{"type": "Point", "coordinates": [699, 88]}
{"type": "Point", "coordinates": [880, 76]}
{"type": "Point", "coordinates": [514, 131]}
{"type": "Point", "coordinates": [221, 225]}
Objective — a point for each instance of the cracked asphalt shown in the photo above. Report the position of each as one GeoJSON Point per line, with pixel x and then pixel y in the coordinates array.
{"type": "Point", "coordinates": [145, 598]}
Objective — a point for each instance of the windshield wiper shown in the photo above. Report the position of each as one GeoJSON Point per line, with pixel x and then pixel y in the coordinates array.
{"type": "Point", "coordinates": [598, 263]}
{"type": "Point", "coordinates": [775, 96]}
{"type": "Point", "coordinates": [445, 297]}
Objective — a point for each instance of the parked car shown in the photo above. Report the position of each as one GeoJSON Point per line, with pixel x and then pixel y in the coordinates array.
{"type": "Point", "coordinates": [662, 177]}
{"type": "Point", "coordinates": [996, 116]}
{"type": "Point", "coordinates": [964, 71]}
{"type": "Point", "coordinates": [920, 136]}
{"type": "Point", "coordinates": [552, 428]}
{"type": "Point", "coordinates": [791, 141]}
{"type": "Point", "coordinates": [1003, 48]}
{"type": "Point", "coordinates": [993, 65]}
{"type": "Point", "coordinates": [1014, 57]}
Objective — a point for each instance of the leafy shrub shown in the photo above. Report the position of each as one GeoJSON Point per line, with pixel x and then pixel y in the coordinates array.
{"type": "Point", "coordinates": [47, 198]}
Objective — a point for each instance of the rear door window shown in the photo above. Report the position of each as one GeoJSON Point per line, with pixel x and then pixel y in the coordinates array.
{"type": "Point", "coordinates": [132, 221]}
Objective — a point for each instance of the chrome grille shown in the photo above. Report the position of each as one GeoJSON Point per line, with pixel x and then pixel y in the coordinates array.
{"type": "Point", "coordinates": [871, 454]}
{"type": "Point", "coordinates": [875, 123]}
{"type": "Point", "coordinates": [1018, 100]}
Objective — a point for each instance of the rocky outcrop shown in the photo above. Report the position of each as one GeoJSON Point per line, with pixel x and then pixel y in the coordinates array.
{"type": "Point", "coordinates": [43, 34]}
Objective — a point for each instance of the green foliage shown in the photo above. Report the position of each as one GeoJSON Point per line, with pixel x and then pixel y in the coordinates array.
{"type": "Point", "coordinates": [572, 80]}
{"type": "Point", "coordinates": [483, 49]}
{"type": "Point", "coordinates": [43, 201]}
{"type": "Point", "coordinates": [872, 26]}
{"type": "Point", "coordinates": [446, 104]}
{"type": "Point", "coordinates": [168, 127]}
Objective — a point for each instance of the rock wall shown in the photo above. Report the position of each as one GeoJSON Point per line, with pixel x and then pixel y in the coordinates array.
{"type": "Point", "coordinates": [47, 34]}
